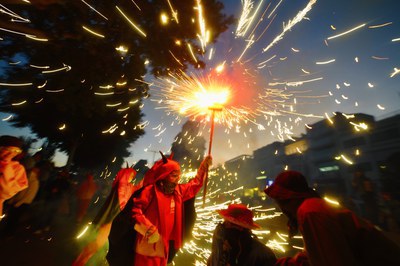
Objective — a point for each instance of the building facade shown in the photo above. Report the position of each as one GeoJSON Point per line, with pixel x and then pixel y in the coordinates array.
{"type": "Point", "coordinates": [331, 151]}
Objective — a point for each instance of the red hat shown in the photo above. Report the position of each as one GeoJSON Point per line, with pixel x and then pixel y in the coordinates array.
{"type": "Point", "coordinates": [290, 185]}
{"type": "Point", "coordinates": [123, 175]}
{"type": "Point", "coordinates": [240, 215]}
{"type": "Point", "coordinates": [160, 170]}
{"type": "Point", "coordinates": [166, 168]}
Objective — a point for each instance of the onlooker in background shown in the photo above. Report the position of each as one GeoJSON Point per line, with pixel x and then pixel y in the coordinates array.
{"type": "Point", "coordinates": [84, 195]}
{"type": "Point", "coordinates": [233, 243]}
{"type": "Point", "coordinates": [364, 191]}
{"type": "Point", "coordinates": [12, 174]}
{"type": "Point", "coordinates": [56, 200]}
{"type": "Point", "coordinates": [20, 212]}
{"type": "Point", "coordinates": [46, 170]}
{"type": "Point", "coordinates": [64, 185]}
{"type": "Point", "coordinates": [332, 235]}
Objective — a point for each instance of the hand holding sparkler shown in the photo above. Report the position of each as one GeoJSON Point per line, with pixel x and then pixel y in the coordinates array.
{"type": "Point", "coordinates": [205, 164]}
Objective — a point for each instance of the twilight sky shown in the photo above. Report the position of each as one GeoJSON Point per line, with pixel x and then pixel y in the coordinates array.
{"type": "Point", "coordinates": [314, 67]}
{"type": "Point", "coordinates": [358, 80]}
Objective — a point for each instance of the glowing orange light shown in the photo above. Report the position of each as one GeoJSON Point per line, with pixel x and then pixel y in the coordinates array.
{"type": "Point", "coordinates": [212, 99]}
{"type": "Point", "coordinates": [164, 19]}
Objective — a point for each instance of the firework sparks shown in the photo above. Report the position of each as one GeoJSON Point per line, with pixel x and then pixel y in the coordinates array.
{"type": "Point", "coordinates": [140, 31]}
{"type": "Point", "coordinates": [299, 17]}
{"type": "Point", "coordinates": [346, 32]}
{"type": "Point", "coordinates": [204, 33]}
{"type": "Point", "coordinates": [93, 32]}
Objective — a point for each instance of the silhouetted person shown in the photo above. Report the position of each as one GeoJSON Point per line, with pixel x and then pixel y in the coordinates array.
{"type": "Point", "coordinates": [364, 190]}
{"type": "Point", "coordinates": [233, 243]}
{"type": "Point", "coordinates": [332, 235]}
{"type": "Point", "coordinates": [57, 191]}
{"type": "Point", "coordinates": [20, 212]}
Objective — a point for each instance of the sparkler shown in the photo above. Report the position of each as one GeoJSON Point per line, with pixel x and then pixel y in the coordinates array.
{"type": "Point", "coordinates": [199, 99]}
{"type": "Point", "coordinates": [214, 108]}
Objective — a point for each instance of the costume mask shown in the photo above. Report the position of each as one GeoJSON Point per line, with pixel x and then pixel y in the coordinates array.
{"type": "Point", "coordinates": [166, 187]}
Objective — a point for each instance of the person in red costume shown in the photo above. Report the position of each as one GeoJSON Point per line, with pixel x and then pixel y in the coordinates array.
{"type": "Point", "coordinates": [332, 235]}
{"type": "Point", "coordinates": [12, 174]}
{"type": "Point", "coordinates": [158, 211]}
{"type": "Point", "coordinates": [122, 189]}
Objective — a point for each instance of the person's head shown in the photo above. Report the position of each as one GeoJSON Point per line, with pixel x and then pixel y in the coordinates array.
{"type": "Point", "coordinates": [168, 170]}
{"type": "Point", "coordinates": [125, 175]}
{"type": "Point", "coordinates": [164, 169]}
{"type": "Point", "coordinates": [238, 215]}
{"type": "Point", "coordinates": [169, 174]}
{"type": "Point", "coordinates": [165, 173]}
{"type": "Point", "coordinates": [10, 147]}
{"type": "Point", "coordinates": [289, 190]}
{"type": "Point", "coordinates": [174, 176]}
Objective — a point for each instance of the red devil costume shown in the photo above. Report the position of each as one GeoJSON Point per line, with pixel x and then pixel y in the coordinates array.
{"type": "Point", "coordinates": [122, 189]}
{"type": "Point", "coordinates": [158, 211]}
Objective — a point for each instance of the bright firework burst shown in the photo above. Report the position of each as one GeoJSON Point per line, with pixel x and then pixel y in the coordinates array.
{"type": "Point", "coordinates": [275, 87]}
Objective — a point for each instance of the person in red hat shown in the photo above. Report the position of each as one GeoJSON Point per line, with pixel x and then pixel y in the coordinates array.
{"type": "Point", "coordinates": [13, 177]}
{"type": "Point", "coordinates": [332, 235]}
{"type": "Point", "coordinates": [158, 211]}
{"type": "Point", "coordinates": [233, 242]}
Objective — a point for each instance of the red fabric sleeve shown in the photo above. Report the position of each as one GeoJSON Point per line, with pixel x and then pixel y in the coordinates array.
{"type": "Point", "coordinates": [190, 189]}
{"type": "Point", "coordinates": [140, 204]}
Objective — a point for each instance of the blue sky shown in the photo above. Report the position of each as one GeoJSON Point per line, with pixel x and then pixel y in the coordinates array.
{"type": "Point", "coordinates": [358, 80]}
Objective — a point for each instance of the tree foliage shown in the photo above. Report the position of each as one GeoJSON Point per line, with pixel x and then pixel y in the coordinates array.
{"type": "Point", "coordinates": [81, 69]}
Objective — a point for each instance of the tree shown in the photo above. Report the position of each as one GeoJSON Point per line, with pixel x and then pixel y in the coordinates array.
{"type": "Point", "coordinates": [81, 69]}
{"type": "Point", "coordinates": [188, 147]}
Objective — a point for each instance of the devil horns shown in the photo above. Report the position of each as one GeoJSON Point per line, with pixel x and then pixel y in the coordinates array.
{"type": "Point", "coordinates": [165, 159]}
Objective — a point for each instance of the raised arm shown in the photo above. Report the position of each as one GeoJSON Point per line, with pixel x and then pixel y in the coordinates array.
{"type": "Point", "coordinates": [190, 189]}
